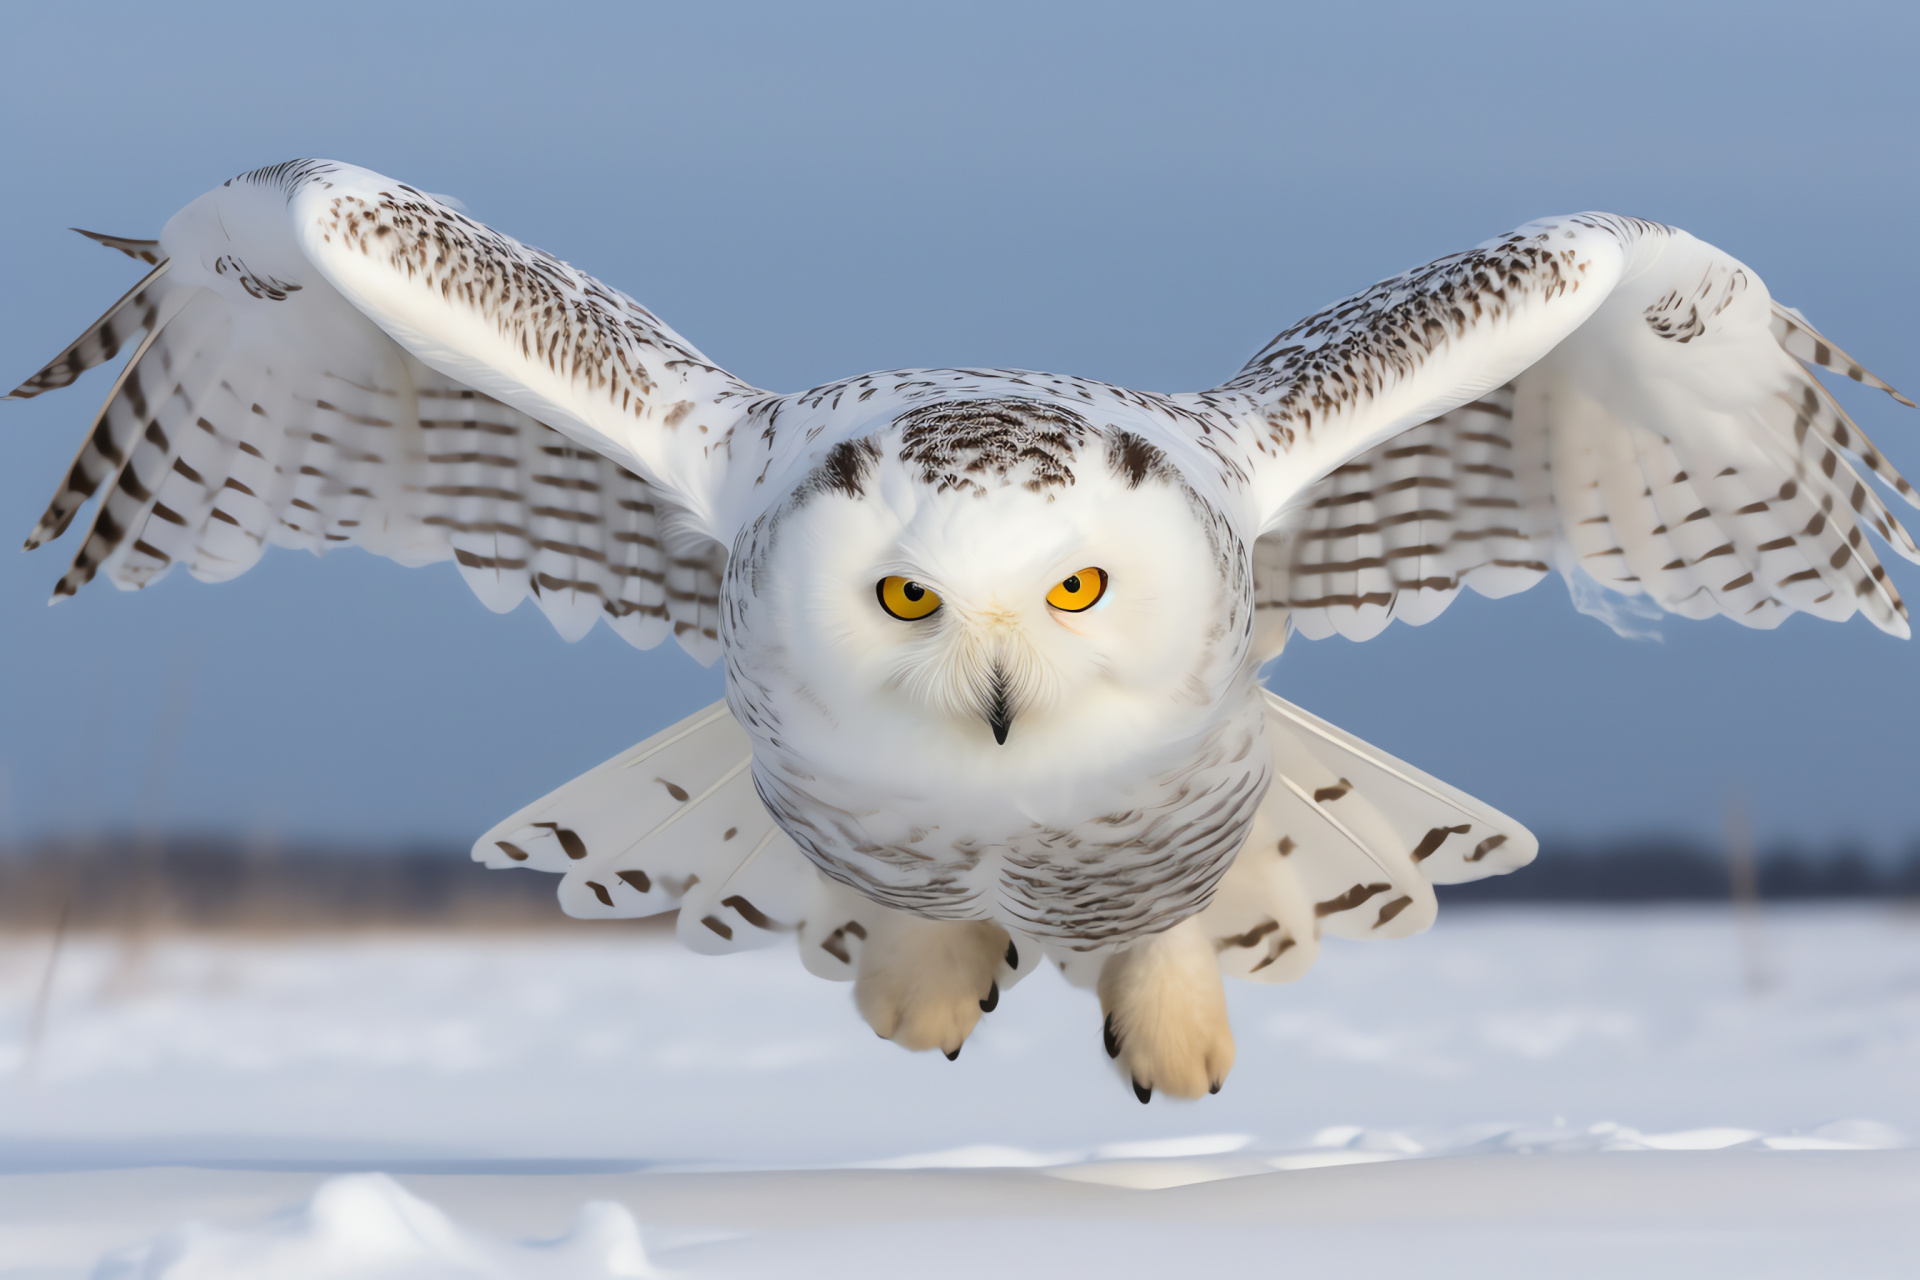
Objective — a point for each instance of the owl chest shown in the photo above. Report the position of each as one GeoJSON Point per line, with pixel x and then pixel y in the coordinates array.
{"type": "Point", "coordinates": [1147, 858]}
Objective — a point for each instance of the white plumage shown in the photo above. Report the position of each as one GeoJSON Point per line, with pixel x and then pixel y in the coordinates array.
{"type": "Point", "coordinates": [991, 636]}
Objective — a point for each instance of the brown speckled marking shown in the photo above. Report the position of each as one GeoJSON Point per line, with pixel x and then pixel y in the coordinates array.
{"type": "Point", "coordinates": [1681, 315]}
{"type": "Point", "coordinates": [1355, 349]}
{"type": "Point", "coordinates": [843, 471]}
{"type": "Point", "coordinates": [1350, 899]}
{"type": "Point", "coordinates": [1392, 909]}
{"type": "Point", "coordinates": [262, 287]}
{"type": "Point", "coordinates": [570, 840]}
{"type": "Point", "coordinates": [1135, 460]}
{"type": "Point", "coordinates": [1251, 938]}
{"type": "Point", "coordinates": [1283, 945]}
{"type": "Point", "coordinates": [966, 444]}
{"type": "Point", "coordinates": [609, 343]}
{"type": "Point", "coordinates": [834, 944]}
{"type": "Point", "coordinates": [755, 916]}
{"type": "Point", "coordinates": [1430, 843]}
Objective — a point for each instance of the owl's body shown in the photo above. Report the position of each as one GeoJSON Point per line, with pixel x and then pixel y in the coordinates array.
{"type": "Point", "coordinates": [1110, 809]}
{"type": "Point", "coordinates": [992, 638]}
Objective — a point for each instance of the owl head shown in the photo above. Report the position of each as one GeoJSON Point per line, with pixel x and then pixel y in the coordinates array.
{"type": "Point", "coordinates": [999, 587]}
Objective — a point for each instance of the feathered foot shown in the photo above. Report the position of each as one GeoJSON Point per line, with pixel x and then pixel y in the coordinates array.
{"type": "Point", "coordinates": [923, 984]}
{"type": "Point", "coordinates": [1166, 1015]}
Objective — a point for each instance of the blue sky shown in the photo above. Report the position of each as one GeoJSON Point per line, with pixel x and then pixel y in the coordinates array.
{"type": "Point", "coordinates": [1141, 194]}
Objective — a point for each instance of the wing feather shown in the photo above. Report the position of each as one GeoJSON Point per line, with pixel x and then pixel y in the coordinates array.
{"type": "Point", "coordinates": [497, 315]}
{"type": "Point", "coordinates": [1674, 446]}
{"type": "Point", "coordinates": [137, 312]}
{"type": "Point", "coordinates": [231, 430]}
{"type": "Point", "coordinates": [1806, 343]}
{"type": "Point", "coordinates": [1397, 532]}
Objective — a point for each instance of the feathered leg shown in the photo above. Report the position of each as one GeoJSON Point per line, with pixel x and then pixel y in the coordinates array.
{"type": "Point", "coordinates": [923, 984]}
{"type": "Point", "coordinates": [1166, 1015]}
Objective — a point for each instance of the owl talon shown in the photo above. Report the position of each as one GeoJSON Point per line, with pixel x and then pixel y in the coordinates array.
{"type": "Point", "coordinates": [919, 980]}
{"type": "Point", "coordinates": [1166, 1016]}
{"type": "Point", "coordinates": [953, 1054]}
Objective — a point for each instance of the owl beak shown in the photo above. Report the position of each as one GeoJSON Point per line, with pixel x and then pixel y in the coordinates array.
{"type": "Point", "coordinates": [1000, 704]}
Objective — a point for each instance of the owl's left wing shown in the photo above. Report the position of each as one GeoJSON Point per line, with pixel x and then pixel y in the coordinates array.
{"type": "Point", "coordinates": [1588, 393]}
{"type": "Point", "coordinates": [324, 357]}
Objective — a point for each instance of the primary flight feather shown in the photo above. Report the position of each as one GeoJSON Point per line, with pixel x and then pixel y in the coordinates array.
{"type": "Point", "coordinates": [991, 637]}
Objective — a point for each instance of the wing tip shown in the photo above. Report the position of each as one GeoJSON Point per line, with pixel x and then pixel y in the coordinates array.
{"type": "Point", "coordinates": [147, 251]}
{"type": "Point", "coordinates": [1896, 626]}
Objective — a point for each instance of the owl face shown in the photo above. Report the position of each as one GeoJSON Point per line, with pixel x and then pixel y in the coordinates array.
{"type": "Point", "coordinates": [1000, 603]}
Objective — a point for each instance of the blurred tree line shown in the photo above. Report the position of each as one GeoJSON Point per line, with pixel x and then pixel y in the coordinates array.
{"type": "Point", "coordinates": [119, 881]}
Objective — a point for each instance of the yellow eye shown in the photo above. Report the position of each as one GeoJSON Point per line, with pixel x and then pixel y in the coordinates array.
{"type": "Point", "coordinates": [904, 599]}
{"type": "Point", "coordinates": [1078, 592]}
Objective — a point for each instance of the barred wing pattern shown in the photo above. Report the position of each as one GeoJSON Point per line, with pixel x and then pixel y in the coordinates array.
{"type": "Point", "coordinates": [221, 438]}
{"type": "Point", "coordinates": [136, 313]}
{"type": "Point", "coordinates": [1399, 530]}
{"type": "Point", "coordinates": [497, 315]}
{"type": "Point", "coordinates": [1677, 447]}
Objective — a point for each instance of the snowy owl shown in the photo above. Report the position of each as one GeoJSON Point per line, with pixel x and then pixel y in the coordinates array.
{"type": "Point", "coordinates": [992, 638]}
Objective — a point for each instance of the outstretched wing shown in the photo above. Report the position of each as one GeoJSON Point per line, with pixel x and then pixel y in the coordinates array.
{"type": "Point", "coordinates": [264, 406]}
{"type": "Point", "coordinates": [1599, 395]}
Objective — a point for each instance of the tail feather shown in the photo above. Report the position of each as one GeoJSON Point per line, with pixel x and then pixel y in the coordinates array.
{"type": "Point", "coordinates": [1261, 918]}
{"type": "Point", "coordinates": [673, 823]}
{"type": "Point", "coordinates": [1349, 841]}
{"type": "Point", "coordinates": [606, 811]}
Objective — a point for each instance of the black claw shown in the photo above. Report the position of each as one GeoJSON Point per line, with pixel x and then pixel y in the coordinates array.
{"type": "Point", "coordinates": [992, 1001]}
{"type": "Point", "coordinates": [1013, 956]}
{"type": "Point", "coordinates": [1214, 1087]}
{"type": "Point", "coordinates": [1112, 1040]}
{"type": "Point", "coordinates": [1142, 1092]}
{"type": "Point", "coordinates": [953, 1052]}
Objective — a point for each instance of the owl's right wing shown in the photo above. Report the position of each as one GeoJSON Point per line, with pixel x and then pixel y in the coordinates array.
{"type": "Point", "coordinates": [326, 357]}
{"type": "Point", "coordinates": [1490, 497]}
{"type": "Point", "coordinates": [1604, 396]}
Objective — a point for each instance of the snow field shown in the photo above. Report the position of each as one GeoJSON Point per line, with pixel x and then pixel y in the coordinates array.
{"type": "Point", "coordinates": [1605, 1086]}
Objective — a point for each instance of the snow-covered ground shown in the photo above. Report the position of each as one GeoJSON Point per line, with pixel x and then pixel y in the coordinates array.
{"type": "Point", "coordinates": [1591, 1090]}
